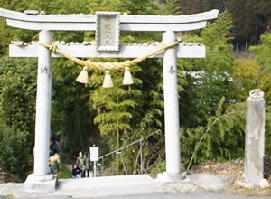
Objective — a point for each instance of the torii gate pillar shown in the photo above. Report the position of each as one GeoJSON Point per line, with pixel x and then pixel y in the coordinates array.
{"type": "Point", "coordinates": [171, 113]}
{"type": "Point", "coordinates": [41, 180]}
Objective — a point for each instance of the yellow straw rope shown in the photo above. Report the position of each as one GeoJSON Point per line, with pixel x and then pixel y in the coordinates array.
{"type": "Point", "coordinates": [108, 66]}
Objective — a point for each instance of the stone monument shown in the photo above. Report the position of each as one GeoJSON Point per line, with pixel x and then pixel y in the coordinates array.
{"type": "Point", "coordinates": [255, 138]}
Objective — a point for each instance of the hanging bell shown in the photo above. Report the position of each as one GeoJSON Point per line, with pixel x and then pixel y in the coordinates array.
{"type": "Point", "coordinates": [127, 80]}
{"type": "Point", "coordinates": [83, 76]}
{"type": "Point", "coordinates": [107, 80]}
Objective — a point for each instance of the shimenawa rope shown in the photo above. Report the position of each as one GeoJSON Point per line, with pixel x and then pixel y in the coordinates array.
{"type": "Point", "coordinates": [107, 66]}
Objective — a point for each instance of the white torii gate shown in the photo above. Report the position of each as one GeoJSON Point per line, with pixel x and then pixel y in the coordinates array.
{"type": "Point", "coordinates": [107, 46]}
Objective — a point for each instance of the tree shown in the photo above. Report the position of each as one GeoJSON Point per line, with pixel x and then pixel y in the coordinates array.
{"type": "Point", "coordinates": [251, 18]}
{"type": "Point", "coordinates": [207, 111]}
{"type": "Point", "coordinates": [172, 7]}
{"type": "Point", "coordinates": [17, 105]}
{"type": "Point", "coordinates": [221, 139]}
{"type": "Point", "coordinates": [247, 75]}
{"type": "Point", "coordinates": [262, 53]}
{"type": "Point", "coordinates": [204, 89]}
{"type": "Point", "coordinates": [15, 152]}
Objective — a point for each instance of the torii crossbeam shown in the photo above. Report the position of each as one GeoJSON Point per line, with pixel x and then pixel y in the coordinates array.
{"type": "Point", "coordinates": [107, 26]}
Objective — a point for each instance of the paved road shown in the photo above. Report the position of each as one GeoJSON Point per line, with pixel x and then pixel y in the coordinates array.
{"type": "Point", "coordinates": [123, 187]}
{"type": "Point", "coordinates": [184, 196]}
{"type": "Point", "coordinates": [204, 195]}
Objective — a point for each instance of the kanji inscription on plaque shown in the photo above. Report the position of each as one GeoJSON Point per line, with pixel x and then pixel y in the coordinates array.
{"type": "Point", "coordinates": [107, 33]}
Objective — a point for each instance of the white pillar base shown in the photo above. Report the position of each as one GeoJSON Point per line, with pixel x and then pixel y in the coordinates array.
{"type": "Point", "coordinates": [40, 184]}
{"type": "Point", "coordinates": [170, 178]}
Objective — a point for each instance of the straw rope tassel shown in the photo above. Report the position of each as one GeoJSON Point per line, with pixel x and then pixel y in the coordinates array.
{"type": "Point", "coordinates": [83, 76]}
{"type": "Point", "coordinates": [107, 80]}
{"type": "Point", "coordinates": [127, 80]}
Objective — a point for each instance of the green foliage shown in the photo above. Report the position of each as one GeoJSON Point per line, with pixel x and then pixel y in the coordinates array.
{"type": "Point", "coordinates": [128, 6]}
{"type": "Point", "coordinates": [172, 7]}
{"type": "Point", "coordinates": [212, 123]}
{"type": "Point", "coordinates": [18, 86]}
{"type": "Point", "coordinates": [222, 138]}
{"type": "Point", "coordinates": [115, 106]}
{"type": "Point", "coordinates": [247, 75]}
{"type": "Point", "coordinates": [70, 109]}
{"type": "Point", "coordinates": [251, 18]}
{"type": "Point", "coordinates": [15, 152]}
{"type": "Point", "coordinates": [262, 54]}
{"type": "Point", "coordinates": [5, 37]}
{"type": "Point", "coordinates": [268, 130]}
{"type": "Point", "coordinates": [64, 172]}
{"type": "Point", "coordinates": [17, 102]}
{"type": "Point", "coordinates": [158, 168]}
{"type": "Point", "coordinates": [216, 37]}
{"type": "Point", "coordinates": [203, 90]}
{"type": "Point", "coordinates": [263, 50]}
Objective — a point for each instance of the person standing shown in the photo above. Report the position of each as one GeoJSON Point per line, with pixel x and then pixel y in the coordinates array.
{"type": "Point", "coordinates": [87, 164]}
{"type": "Point", "coordinates": [81, 162]}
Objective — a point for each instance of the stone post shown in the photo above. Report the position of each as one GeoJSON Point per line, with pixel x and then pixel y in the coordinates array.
{"type": "Point", "coordinates": [255, 138]}
{"type": "Point", "coordinates": [41, 180]}
{"type": "Point", "coordinates": [171, 113]}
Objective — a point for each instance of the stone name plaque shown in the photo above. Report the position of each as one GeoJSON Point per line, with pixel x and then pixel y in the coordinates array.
{"type": "Point", "coordinates": [107, 31]}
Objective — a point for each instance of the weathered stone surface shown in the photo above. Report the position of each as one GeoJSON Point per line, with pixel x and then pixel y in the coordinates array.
{"type": "Point", "coordinates": [210, 182]}
{"type": "Point", "coordinates": [255, 138]}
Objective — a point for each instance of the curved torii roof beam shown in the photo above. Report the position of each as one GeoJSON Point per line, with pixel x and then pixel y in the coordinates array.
{"type": "Point", "coordinates": [177, 23]}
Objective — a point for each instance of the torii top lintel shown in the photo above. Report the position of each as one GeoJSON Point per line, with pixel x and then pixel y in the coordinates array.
{"type": "Point", "coordinates": [161, 23]}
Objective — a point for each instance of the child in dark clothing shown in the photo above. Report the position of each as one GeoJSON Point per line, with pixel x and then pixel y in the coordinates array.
{"type": "Point", "coordinates": [76, 171]}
